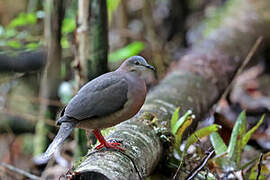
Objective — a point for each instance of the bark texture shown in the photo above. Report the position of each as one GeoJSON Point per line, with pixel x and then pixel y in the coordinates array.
{"type": "Point", "coordinates": [51, 75]}
{"type": "Point", "coordinates": [99, 41]}
{"type": "Point", "coordinates": [84, 11]}
{"type": "Point", "coordinates": [195, 82]}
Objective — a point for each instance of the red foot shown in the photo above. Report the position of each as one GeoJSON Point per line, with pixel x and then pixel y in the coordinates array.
{"type": "Point", "coordinates": [111, 145]}
{"type": "Point", "coordinates": [106, 144]}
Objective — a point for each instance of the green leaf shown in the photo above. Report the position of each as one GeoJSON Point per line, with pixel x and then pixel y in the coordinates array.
{"type": "Point", "coordinates": [235, 145]}
{"type": "Point", "coordinates": [127, 51]}
{"type": "Point", "coordinates": [218, 144]}
{"type": "Point", "coordinates": [250, 132]}
{"type": "Point", "coordinates": [32, 46]}
{"type": "Point", "coordinates": [201, 133]}
{"type": "Point", "coordinates": [180, 131]}
{"type": "Point", "coordinates": [64, 42]}
{"type": "Point", "coordinates": [68, 26]}
{"type": "Point", "coordinates": [23, 19]}
{"type": "Point", "coordinates": [112, 6]}
{"type": "Point", "coordinates": [195, 137]}
{"type": "Point", "coordinates": [175, 117]}
{"type": "Point", "coordinates": [13, 44]}
{"type": "Point", "coordinates": [181, 121]}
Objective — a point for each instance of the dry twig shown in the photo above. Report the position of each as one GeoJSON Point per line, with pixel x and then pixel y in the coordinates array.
{"type": "Point", "coordinates": [19, 171]}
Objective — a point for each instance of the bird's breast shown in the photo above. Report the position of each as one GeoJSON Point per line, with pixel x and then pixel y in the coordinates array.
{"type": "Point", "coordinates": [136, 98]}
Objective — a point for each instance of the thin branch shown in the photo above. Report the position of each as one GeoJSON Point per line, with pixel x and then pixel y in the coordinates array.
{"type": "Point", "coordinates": [19, 171]}
{"type": "Point", "coordinates": [200, 166]}
{"type": "Point", "coordinates": [243, 65]}
{"type": "Point", "coordinates": [259, 167]}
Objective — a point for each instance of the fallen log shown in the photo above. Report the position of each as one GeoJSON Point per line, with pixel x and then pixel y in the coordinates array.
{"type": "Point", "coordinates": [196, 82]}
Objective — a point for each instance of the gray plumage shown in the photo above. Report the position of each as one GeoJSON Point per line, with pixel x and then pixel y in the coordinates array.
{"type": "Point", "coordinates": [63, 133]}
{"type": "Point", "coordinates": [95, 99]}
{"type": "Point", "coordinates": [103, 102]}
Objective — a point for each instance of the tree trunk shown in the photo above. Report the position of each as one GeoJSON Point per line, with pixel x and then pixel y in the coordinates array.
{"type": "Point", "coordinates": [99, 39]}
{"type": "Point", "coordinates": [55, 10]}
{"type": "Point", "coordinates": [195, 82]}
{"type": "Point", "coordinates": [84, 11]}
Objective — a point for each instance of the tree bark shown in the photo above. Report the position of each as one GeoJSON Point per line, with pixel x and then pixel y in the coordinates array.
{"type": "Point", "coordinates": [99, 39]}
{"type": "Point", "coordinates": [55, 10]}
{"type": "Point", "coordinates": [84, 11]}
{"type": "Point", "coordinates": [196, 82]}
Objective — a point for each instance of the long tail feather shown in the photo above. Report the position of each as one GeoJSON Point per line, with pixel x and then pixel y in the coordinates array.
{"type": "Point", "coordinates": [63, 133]}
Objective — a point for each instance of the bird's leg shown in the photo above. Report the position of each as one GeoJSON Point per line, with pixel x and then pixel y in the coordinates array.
{"type": "Point", "coordinates": [104, 143]}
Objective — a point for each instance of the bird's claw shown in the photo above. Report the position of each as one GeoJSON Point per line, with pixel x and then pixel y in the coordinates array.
{"type": "Point", "coordinates": [110, 145]}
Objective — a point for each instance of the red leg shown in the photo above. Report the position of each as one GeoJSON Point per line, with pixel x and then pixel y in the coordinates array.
{"type": "Point", "coordinates": [104, 143]}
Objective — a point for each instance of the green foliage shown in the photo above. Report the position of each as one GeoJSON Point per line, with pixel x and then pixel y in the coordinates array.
{"type": "Point", "coordinates": [174, 119]}
{"type": "Point", "coordinates": [200, 134]}
{"type": "Point", "coordinates": [228, 158]}
{"type": "Point", "coordinates": [112, 6]}
{"type": "Point", "coordinates": [23, 19]}
{"type": "Point", "coordinates": [264, 172]}
{"type": "Point", "coordinates": [238, 141]}
{"type": "Point", "coordinates": [68, 25]}
{"type": "Point", "coordinates": [13, 44]}
{"type": "Point", "coordinates": [12, 36]}
{"type": "Point", "coordinates": [175, 125]}
{"type": "Point", "coordinates": [196, 136]}
{"type": "Point", "coordinates": [247, 136]}
{"type": "Point", "coordinates": [235, 145]}
{"type": "Point", "coordinates": [127, 51]}
{"type": "Point", "coordinates": [218, 144]}
{"type": "Point", "coordinates": [179, 125]}
{"type": "Point", "coordinates": [32, 45]}
{"type": "Point", "coordinates": [65, 42]}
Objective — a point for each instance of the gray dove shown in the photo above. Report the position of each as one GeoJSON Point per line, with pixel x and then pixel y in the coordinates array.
{"type": "Point", "coordinates": [103, 102]}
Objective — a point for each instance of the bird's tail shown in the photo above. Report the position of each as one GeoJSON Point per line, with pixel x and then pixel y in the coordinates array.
{"type": "Point", "coordinates": [64, 131]}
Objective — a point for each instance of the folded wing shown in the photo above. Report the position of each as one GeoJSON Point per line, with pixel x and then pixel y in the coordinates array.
{"type": "Point", "coordinates": [100, 97]}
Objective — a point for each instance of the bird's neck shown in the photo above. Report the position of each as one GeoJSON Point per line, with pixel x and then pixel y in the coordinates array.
{"type": "Point", "coordinates": [133, 73]}
{"type": "Point", "coordinates": [131, 70]}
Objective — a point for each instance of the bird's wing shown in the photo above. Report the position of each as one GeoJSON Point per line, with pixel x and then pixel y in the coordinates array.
{"type": "Point", "coordinates": [100, 97]}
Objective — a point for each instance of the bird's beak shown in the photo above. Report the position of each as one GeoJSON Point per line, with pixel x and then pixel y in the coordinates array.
{"type": "Point", "coordinates": [150, 67]}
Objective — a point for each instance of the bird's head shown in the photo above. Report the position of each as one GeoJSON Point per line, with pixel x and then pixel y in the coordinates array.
{"type": "Point", "coordinates": [136, 64]}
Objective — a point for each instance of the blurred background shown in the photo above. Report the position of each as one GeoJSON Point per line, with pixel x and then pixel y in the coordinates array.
{"type": "Point", "coordinates": [33, 93]}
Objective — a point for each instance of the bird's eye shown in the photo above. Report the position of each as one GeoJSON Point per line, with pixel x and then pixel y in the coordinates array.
{"type": "Point", "coordinates": [137, 63]}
